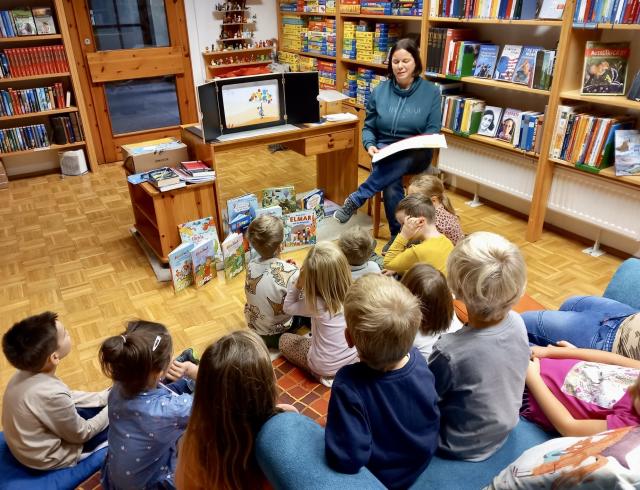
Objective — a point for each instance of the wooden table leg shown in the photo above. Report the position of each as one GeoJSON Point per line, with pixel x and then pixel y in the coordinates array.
{"type": "Point", "coordinates": [337, 173]}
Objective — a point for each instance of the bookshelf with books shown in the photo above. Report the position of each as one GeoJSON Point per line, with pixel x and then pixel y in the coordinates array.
{"type": "Point", "coordinates": [41, 104]}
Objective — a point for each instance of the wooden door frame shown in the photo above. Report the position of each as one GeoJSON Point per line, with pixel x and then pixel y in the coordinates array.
{"type": "Point", "coordinates": [108, 146]}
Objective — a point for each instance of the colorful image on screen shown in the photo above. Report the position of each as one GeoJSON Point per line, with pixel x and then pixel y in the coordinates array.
{"type": "Point", "coordinates": [246, 104]}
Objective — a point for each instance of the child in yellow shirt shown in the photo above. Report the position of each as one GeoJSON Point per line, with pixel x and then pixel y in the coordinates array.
{"type": "Point", "coordinates": [417, 216]}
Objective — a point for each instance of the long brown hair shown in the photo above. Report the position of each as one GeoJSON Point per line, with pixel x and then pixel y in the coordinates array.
{"type": "Point", "coordinates": [431, 186]}
{"type": "Point", "coordinates": [235, 395]}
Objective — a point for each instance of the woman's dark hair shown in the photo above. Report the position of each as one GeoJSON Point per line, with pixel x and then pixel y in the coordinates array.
{"type": "Point", "coordinates": [493, 119]}
{"type": "Point", "coordinates": [236, 394]}
{"type": "Point", "coordinates": [130, 358]}
{"type": "Point", "coordinates": [408, 45]}
{"type": "Point", "coordinates": [28, 344]}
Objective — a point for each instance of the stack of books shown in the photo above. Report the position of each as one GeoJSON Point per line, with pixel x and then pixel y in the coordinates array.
{"type": "Point", "coordinates": [165, 179]}
{"type": "Point", "coordinates": [195, 172]}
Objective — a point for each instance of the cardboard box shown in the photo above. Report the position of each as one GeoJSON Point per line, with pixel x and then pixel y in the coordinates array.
{"type": "Point", "coordinates": [164, 152]}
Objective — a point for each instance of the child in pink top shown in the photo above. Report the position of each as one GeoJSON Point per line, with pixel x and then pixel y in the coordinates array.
{"type": "Point", "coordinates": [582, 392]}
{"type": "Point", "coordinates": [318, 292]}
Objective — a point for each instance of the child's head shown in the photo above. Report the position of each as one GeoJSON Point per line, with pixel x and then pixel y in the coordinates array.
{"type": "Point", "coordinates": [326, 275]}
{"type": "Point", "coordinates": [382, 320]}
{"type": "Point", "coordinates": [415, 206]}
{"type": "Point", "coordinates": [266, 234]}
{"type": "Point", "coordinates": [436, 303]}
{"type": "Point", "coordinates": [37, 343]}
{"type": "Point", "coordinates": [236, 394]}
{"type": "Point", "coordinates": [432, 188]}
{"type": "Point", "coordinates": [138, 357]}
{"type": "Point", "coordinates": [357, 244]}
{"type": "Point", "coordinates": [488, 274]}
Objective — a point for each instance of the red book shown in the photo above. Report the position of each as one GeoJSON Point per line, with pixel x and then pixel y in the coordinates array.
{"type": "Point", "coordinates": [452, 35]}
{"type": "Point", "coordinates": [14, 69]}
{"type": "Point", "coordinates": [51, 65]}
{"type": "Point", "coordinates": [195, 166]}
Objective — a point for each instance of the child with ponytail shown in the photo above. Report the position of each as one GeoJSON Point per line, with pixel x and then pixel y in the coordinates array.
{"type": "Point", "coordinates": [146, 416]}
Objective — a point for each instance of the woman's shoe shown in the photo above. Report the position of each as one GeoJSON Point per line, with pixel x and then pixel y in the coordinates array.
{"type": "Point", "coordinates": [346, 211]}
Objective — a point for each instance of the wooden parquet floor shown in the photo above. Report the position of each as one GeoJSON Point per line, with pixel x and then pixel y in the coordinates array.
{"type": "Point", "coordinates": [65, 246]}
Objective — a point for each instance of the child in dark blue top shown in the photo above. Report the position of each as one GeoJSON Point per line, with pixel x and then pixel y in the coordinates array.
{"type": "Point", "coordinates": [383, 411]}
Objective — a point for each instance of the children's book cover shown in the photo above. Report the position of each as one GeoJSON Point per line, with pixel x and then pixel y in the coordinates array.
{"type": "Point", "coordinates": [284, 196]}
{"type": "Point", "coordinates": [23, 20]}
{"type": "Point", "coordinates": [234, 255]}
{"type": "Point", "coordinates": [526, 65]}
{"type": "Point", "coordinates": [509, 125]}
{"type": "Point", "coordinates": [181, 266]}
{"type": "Point", "coordinates": [605, 68]}
{"type": "Point", "coordinates": [313, 199]}
{"type": "Point", "coordinates": [627, 156]}
{"type": "Point", "coordinates": [204, 263]}
{"type": "Point", "coordinates": [275, 211]}
{"type": "Point", "coordinates": [486, 62]}
{"type": "Point", "coordinates": [506, 65]}
{"type": "Point", "coordinates": [490, 121]}
{"type": "Point", "coordinates": [201, 230]}
{"type": "Point", "coordinates": [241, 211]}
{"type": "Point", "coordinates": [300, 229]}
{"type": "Point", "coordinates": [44, 20]}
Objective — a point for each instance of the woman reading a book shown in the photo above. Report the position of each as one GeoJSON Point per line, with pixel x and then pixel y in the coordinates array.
{"type": "Point", "coordinates": [405, 105]}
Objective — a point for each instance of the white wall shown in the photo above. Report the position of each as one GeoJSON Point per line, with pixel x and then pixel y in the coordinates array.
{"type": "Point", "coordinates": [204, 28]}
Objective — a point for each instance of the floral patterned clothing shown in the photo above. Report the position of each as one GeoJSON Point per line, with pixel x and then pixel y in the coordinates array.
{"type": "Point", "coordinates": [448, 224]}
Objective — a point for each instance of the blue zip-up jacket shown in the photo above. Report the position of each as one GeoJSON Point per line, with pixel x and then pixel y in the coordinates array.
{"type": "Point", "coordinates": [394, 114]}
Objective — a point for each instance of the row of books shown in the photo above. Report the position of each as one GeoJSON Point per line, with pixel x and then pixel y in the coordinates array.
{"type": "Point", "coordinates": [607, 11]}
{"type": "Point", "coordinates": [309, 6]}
{"type": "Point", "coordinates": [497, 9]}
{"type": "Point", "coordinates": [30, 100]}
{"type": "Point", "coordinates": [38, 60]}
{"type": "Point", "coordinates": [67, 129]}
{"type": "Point", "coordinates": [468, 115]}
{"type": "Point", "coordinates": [411, 8]}
{"type": "Point", "coordinates": [23, 138]}
{"type": "Point", "coordinates": [26, 22]}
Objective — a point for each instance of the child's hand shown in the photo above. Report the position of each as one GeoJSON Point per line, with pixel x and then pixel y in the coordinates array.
{"type": "Point", "coordinates": [387, 272]}
{"type": "Point", "coordinates": [179, 369]}
{"type": "Point", "coordinates": [410, 227]}
{"type": "Point", "coordinates": [287, 408]}
{"type": "Point", "coordinates": [291, 261]}
{"type": "Point", "coordinates": [564, 343]}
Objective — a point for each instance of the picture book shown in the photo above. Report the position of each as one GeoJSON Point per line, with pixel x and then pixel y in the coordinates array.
{"type": "Point", "coordinates": [486, 62]}
{"type": "Point", "coordinates": [23, 20]}
{"type": "Point", "coordinates": [526, 65]}
{"type": "Point", "coordinates": [506, 66]}
{"type": "Point", "coordinates": [510, 125]}
{"type": "Point", "coordinates": [627, 152]}
{"type": "Point", "coordinates": [181, 266]}
{"type": "Point", "coordinates": [246, 104]}
{"type": "Point", "coordinates": [605, 68]}
{"type": "Point", "coordinates": [201, 230]}
{"type": "Point", "coordinates": [271, 211]}
{"type": "Point", "coordinates": [44, 20]}
{"type": "Point", "coordinates": [163, 177]}
{"type": "Point", "coordinates": [490, 121]}
{"type": "Point", "coordinates": [241, 211]}
{"type": "Point", "coordinates": [234, 256]}
{"type": "Point", "coordinates": [284, 196]}
{"type": "Point", "coordinates": [204, 262]}
{"type": "Point", "coordinates": [313, 199]}
{"type": "Point", "coordinates": [300, 229]}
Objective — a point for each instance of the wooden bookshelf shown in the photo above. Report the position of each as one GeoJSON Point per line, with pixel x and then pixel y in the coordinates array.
{"type": "Point", "coordinates": [33, 115]}
{"type": "Point", "coordinates": [614, 27]}
{"type": "Point", "coordinates": [68, 146]}
{"type": "Point", "coordinates": [608, 173]}
{"type": "Point", "coordinates": [489, 82]}
{"type": "Point", "coordinates": [34, 78]}
{"type": "Point", "coordinates": [312, 55]}
{"type": "Point", "coordinates": [387, 18]}
{"type": "Point", "coordinates": [496, 143]}
{"type": "Point", "coordinates": [231, 52]}
{"type": "Point", "coordinates": [309, 14]}
{"type": "Point", "coordinates": [380, 66]}
{"type": "Point", "coordinates": [528, 22]}
{"type": "Point", "coordinates": [620, 101]}
{"type": "Point", "coordinates": [18, 40]}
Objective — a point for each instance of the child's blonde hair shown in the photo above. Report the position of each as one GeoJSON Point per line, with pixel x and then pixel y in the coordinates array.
{"type": "Point", "coordinates": [327, 275]}
{"type": "Point", "coordinates": [436, 302]}
{"type": "Point", "coordinates": [430, 186]}
{"type": "Point", "coordinates": [383, 318]}
{"type": "Point", "coordinates": [488, 274]}
{"type": "Point", "coordinates": [266, 234]}
{"type": "Point", "coordinates": [357, 244]}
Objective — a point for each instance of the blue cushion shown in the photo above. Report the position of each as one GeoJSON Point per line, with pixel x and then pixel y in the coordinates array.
{"type": "Point", "coordinates": [462, 475]}
{"type": "Point", "coordinates": [625, 284]}
{"type": "Point", "coordinates": [15, 476]}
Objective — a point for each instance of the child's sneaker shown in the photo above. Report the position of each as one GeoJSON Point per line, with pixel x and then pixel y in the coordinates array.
{"type": "Point", "coordinates": [190, 355]}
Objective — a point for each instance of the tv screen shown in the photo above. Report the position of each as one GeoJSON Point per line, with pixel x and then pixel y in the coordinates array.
{"type": "Point", "coordinates": [251, 103]}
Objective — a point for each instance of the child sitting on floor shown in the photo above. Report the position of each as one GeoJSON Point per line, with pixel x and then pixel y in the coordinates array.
{"type": "Point", "coordinates": [267, 280]}
{"type": "Point", "coordinates": [416, 214]}
{"type": "Point", "coordinates": [383, 411]}
{"type": "Point", "coordinates": [236, 395]}
{"type": "Point", "coordinates": [581, 392]}
{"type": "Point", "coordinates": [44, 424]}
{"type": "Point", "coordinates": [147, 417]}
{"type": "Point", "coordinates": [481, 368]}
{"type": "Point", "coordinates": [357, 244]}
{"type": "Point", "coordinates": [436, 304]}
{"type": "Point", "coordinates": [446, 220]}
{"type": "Point", "coordinates": [318, 291]}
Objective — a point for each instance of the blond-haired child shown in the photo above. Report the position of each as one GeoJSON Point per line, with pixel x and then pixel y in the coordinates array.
{"type": "Point", "coordinates": [318, 291]}
{"type": "Point", "coordinates": [480, 370]}
{"type": "Point", "coordinates": [267, 279]}
{"type": "Point", "coordinates": [417, 214]}
{"type": "Point", "coordinates": [357, 244]}
{"type": "Point", "coordinates": [446, 220]}
{"type": "Point", "coordinates": [383, 411]}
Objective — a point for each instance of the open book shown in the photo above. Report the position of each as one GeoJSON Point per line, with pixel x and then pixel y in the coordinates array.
{"type": "Point", "coordinates": [414, 142]}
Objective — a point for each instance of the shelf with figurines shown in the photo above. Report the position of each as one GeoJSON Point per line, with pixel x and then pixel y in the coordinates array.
{"type": "Point", "coordinates": [260, 53]}
{"type": "Point", "coordinates": [231, 7]}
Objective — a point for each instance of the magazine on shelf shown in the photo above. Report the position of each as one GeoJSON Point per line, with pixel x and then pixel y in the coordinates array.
{"type": "Point", "coordinates": [411, 143]}
{"type": "Point", "coordinates": [627, 152]}
{"type": "Point", "coordinates": [506, 65]}
{"type": "Point", "coordinates": [486, 62]}
{"type": "Point", "coordinates": [490, 121]}
{"type": "Point", "coordinates": [605, 68]}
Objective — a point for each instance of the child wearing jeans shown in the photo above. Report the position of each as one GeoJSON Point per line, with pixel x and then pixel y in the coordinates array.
{"type": "Point", "coordinates": [480, 369]}
{"type": "Point", "coordinates": [146, 417]}
{"type": "Point", "coordinates": [446, 219]}
{"type": "Point", "coordinates": [383, 411]}
{"type": "Point", "coordinates": [318, 291]}
{"type": "Point", "coordinates": [267, 280]}
{"type": "Point", "coordinates": [358, 245]}
{"type": "Point", "coordinates": [417, 214]}
{"type": "Point", "coordinates": [47, 425]}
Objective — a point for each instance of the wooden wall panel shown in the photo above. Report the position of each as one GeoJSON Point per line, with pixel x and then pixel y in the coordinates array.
{"type": "Point", "coordinates": [128, 64]}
